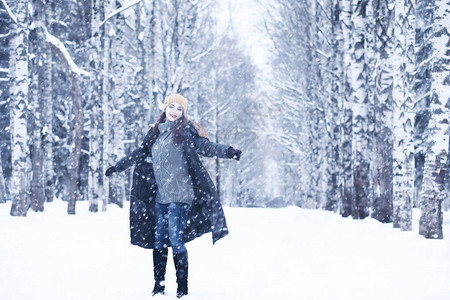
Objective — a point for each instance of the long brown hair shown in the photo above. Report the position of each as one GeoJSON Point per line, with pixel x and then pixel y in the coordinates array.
{"type": "Point", "coordinates": [177, 130]}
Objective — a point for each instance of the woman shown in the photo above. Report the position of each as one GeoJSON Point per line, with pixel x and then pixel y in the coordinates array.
{"type": "Point", "coordinates": [173, 199]}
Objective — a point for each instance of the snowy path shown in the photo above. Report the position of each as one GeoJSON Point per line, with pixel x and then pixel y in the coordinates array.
{"type": "Point", "coordinates": [270, 254]}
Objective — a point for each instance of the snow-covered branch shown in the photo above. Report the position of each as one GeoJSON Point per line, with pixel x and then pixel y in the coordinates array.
{"type": "Point", "coordinates": [10, 13]}
{"type": "Point", "coordinates": [118, 11]}
{"type": "Point", "coordinates": [213, 46]}
{"type": "Point", "coordinates": [55, 42]}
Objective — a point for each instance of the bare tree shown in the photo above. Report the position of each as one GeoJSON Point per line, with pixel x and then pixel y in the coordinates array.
{"type": "Point", "coordinates": [360, 141]}
{"type": "Point", "coordinates": [383, 137]}
{"type": "Point", "coordinates": [95, 179]}
{"type": "Point", "coordinates": [4, 95]}
{"type": "Point", "coordinates": [403, 94]}
{"type": "Point", "coordinates": [46, 86]}
{"type": "Point", "coordinates": [433, 190]}
{"type": "Point", "coordinates": [347, 116]}
{"type": "Point", "coordinates": [19, 102]}
{"type": "Point", "coordinates": [335, 64]}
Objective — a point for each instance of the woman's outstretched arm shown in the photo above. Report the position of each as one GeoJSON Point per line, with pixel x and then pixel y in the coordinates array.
{"type": "Point", "coordinates": [206, 148]}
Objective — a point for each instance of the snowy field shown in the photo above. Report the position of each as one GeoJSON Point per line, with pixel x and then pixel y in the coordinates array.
{"type": "Point", "coordinates": [286, 253]}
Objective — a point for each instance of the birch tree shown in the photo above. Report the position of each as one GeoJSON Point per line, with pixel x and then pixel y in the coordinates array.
{"type": "Point", "coordinates": [433, 189]}
{"type": "Point", "coordinates": [334, 108]}
{"type": "Point", "coordinates": [347, 116]}
{"type": "Point", "coordinates": [447, 180]}
{"type": "Point", "coordinates": [4, 97]}
{"type": "Point", "coordinates": [152, 60]}
{"type": "Point", "coordinates": [109, 27]}
{"type": "Point", "coordinates": [321, 89]}
{"type": "Point", "coordinates": [145, 82]}
{"type": "Point", "coordinates": [40, 146]}
{"type": "Point", "coordinates": [116, 132]}
{"type": "Point", "coordinates": [35, 118]}
{"type": "Point", "coordinates": [19, 106]}
{"type": "Point", "coordinates": [47, 116]}
{"type": "Point", "coordinates": [403, 94]}
{"type": "Point", "coordinates": [2, 184]}
{"type": "Point", "coordinates": [383, 143]}
{"type": "Point", "coordinates": [95, 176]}
{"type": "Point", "coordinates": [422, 87]}
{"type": "Point", "coordinates": [360, 141]}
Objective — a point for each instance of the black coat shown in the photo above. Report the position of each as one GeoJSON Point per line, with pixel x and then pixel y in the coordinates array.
{"type": "Point", "coordinates": [205, 214]}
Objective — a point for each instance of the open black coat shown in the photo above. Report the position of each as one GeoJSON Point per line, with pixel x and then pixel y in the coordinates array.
{"type": "Point", "coordinates": [205, 214]}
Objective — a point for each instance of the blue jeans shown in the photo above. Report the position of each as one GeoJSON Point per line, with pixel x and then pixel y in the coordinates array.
{"type": "Point", "coordinates": [170, 224]}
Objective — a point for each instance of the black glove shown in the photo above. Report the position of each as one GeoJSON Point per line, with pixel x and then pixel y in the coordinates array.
{"type": "Point", "coordinates": [234, 153]}
{"type": "Point", "coordinates": [110, 170]}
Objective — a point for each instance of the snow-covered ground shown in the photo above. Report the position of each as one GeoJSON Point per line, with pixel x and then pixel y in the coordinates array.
{"type": "Point", "coordinates": [286, 253]}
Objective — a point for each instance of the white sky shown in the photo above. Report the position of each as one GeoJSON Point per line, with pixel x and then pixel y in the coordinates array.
{"type": "Point", "coordinates": [247, 21]}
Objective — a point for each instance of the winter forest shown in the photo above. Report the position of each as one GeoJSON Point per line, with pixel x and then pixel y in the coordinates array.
{"type": "Point", "coordinates": [341, 106]}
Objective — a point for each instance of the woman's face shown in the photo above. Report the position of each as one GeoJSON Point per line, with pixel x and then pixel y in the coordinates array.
{"type": "Point", "coordinates": [174, 111]}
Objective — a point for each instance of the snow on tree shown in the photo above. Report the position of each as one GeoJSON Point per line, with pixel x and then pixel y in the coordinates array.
{"type": "Point", "coordinates": [19, 106]}
{"type": "Point", "coordinates": [47, 129]}
{"type": "Point", "coordinates": [340, 118]}
{"type": "Point", "coordinates": [4, 101]}
{"type": "Point", "coordinates": [433, 190]}
{"type": "Point", "coordinates": [383, 139]}
{"type": "Point", "coordinates": [333, 107]}
{"type": "Point", "coordinates": [347, 192]}
{"type": "Point", "coordinates": [361, 139]}
{"type": "Point", "coordinates": [403, 94]}
{"type": "Point", "coordinates": [95, 173]}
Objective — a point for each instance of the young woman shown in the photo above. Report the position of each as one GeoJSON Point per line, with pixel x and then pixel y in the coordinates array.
{"type": "Point", "coordinates": [173, 199]}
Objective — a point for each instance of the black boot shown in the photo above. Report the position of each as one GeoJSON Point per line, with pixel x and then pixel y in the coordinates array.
{"type": "Point", "coordinates": [159, 270]}
{"type": "Point", "coordinates": [181, 267]}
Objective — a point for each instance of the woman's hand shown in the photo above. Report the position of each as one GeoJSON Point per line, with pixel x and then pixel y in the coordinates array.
{"type": "Point", "coordinates": [110, 170]}
{"type": "Point", "coordinates": [234, 153]}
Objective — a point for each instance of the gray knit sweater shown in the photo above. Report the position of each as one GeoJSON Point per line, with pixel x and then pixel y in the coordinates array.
{"type": "Point", "coordinates": [171, 168]}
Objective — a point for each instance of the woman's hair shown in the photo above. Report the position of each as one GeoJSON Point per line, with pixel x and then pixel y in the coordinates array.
{"type": "Point", "coordinates": [177, 130]}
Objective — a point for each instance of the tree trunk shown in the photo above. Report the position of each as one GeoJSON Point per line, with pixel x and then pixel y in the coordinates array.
{"type": "Point", "coordinates": [40, 92]}
{"type": "Point", "coordinates": [35, 120]}
{"type": "Point", "coordinates": [95, 175]}
{"type": "Point", "coordinates": [19, 106]}
{"type": "Point", "coordinates": [47, 131]}
{"type": "Point", "coordinates": [335, 103]}
{"type": "Point", "coordinates": [382, 198]}
{"type": "Point", "coordinates": [403, 184]}
{"type": "Point", "coordinates": [447, 180]}
{"type": "Point", "coordinates": [346, 123]}
{"type": "Point", "coordinates": [371, 64]}
{"type": "Point", "coordinates": [107, 94]}
{"type": "Point", "coordinates": [2, 183]}
{"type": "Point", "coordinates": [422, 87]}
{"type": "Point", "coordinates": [78, 127]}
{"type": "Point", "coordinates": [76, 154]}
{"type": "Point", "coordinates": [433, 190]}
{"type": "Point", "coordinates": [360, 145]}
{"type": "Point", "coordinates": [5, 34]}
{"type": "Point", "coordinates": [154, 110]}
{"type": "Point", "coordinates": [117, 122]}
{"type": "Point", "coordinates": [142, 84]}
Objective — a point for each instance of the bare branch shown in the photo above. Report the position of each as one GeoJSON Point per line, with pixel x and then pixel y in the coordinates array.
{"type": "Point", "coordinates": [55, 42]}
{"type": "Point", "coordinates": [118, 11]}
{"type": "Point", "coordinates": [10, 13]}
